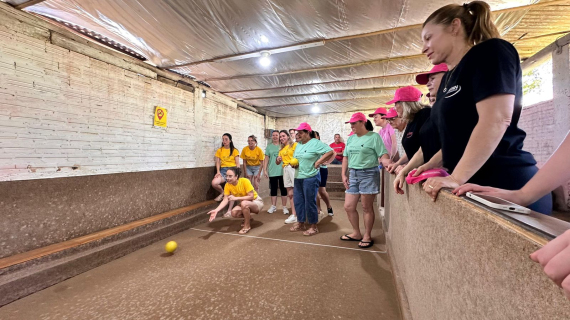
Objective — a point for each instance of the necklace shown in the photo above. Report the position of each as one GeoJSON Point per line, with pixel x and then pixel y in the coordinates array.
{"type": "Point", "coordinates": [447, 80]}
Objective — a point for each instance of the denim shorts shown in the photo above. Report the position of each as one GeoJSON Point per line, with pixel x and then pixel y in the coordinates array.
{"type": "Point", "coordinates": [223, 172]}
{"type": "Point", "coordinates": [252, 170]}
{"type": "Point", "coordinates": [364, 181]}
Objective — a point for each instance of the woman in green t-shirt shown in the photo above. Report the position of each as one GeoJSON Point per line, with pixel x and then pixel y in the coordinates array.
{"type": "Point", "coordinates": [311, 154]}
{"type": "Point", "coordinates": [363, 149]}
{"type": "Point", "coordinates": [274, 172]}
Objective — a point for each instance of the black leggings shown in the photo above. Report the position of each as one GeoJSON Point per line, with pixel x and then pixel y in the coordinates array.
{"type": "Point", "coordinates": [277, 182]}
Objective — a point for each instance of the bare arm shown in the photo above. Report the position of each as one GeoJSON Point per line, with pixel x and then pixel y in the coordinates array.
{"type": "Point", "coordinates": [218, 165]}
{"type": "Point", "coordinates": [249, 197]}
{"type": "Point", "coordinates": [327, 156]}
{"type": "Point", "coordinates": [265, 163]}
{"type": "Point", "coordinates": [344, 170]}
{"type": "Point", "coordinates": [394, 148]}
{"type": "Point", "coordinates": [214, 212]}
{"type": "Point", "coordinates": [494, 117]}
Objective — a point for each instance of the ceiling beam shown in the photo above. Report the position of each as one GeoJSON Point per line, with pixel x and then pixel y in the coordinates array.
{"type": "Point", "coordinates": [368, 34]}
{"type": "Point", "coordinates": [328, 92]}
{"type": "Point", "coordinates": [28, 4]}
{"type": "Point", "coordinates": [323, 83]}
{"type": "Point", "coordinates": [313, 103]}
{"type": "Point", "coordinates": [514, 42]}
{"type": "Point", "coordinates": [350, 65]}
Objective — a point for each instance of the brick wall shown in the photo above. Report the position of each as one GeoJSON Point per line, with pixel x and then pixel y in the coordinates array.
{"type": "Point", "coordinates": [538, 122]}
{"type": "Point", "coordinates": [66, 114]}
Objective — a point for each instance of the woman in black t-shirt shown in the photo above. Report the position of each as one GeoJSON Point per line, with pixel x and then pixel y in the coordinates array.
{"type": "Point", "coordinates": [415, 114]}
{"type": "Point", "coordinates": [478, 102]}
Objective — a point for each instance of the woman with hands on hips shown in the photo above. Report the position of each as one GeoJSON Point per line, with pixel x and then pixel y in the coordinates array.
{"type": "Point", "coordinates": [479, 102]}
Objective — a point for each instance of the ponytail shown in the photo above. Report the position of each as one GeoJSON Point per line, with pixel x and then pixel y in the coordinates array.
{"type": "Point", "coordinates": [368, 125]}
{"type": "Point", "coordinates": [475, 17]}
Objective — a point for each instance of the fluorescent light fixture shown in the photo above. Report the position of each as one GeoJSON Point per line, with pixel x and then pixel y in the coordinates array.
{"type": "Point", "coordinates": [203, 93]}
{"type": "Point", "coordinates": [264, 39]}
{"type": "Point", "coordinates": [272, 51]}
{"type": "Point", "coordinates": [316, 109]}
{"type": "Point", "coordinates": [265, 61]}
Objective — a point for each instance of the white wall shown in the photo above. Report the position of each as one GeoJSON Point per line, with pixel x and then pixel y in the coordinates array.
{"type": "Point", "coordinates": [66, 114]}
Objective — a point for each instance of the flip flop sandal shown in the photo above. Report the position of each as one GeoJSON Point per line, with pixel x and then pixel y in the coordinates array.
{"type": "Point", "coordinates": [244, 231]}
{"type": "Point", "coordinates": [297, 227]}
{"type": "Point", "coordinates": [227, 215]}
{"type": "Point", "coordinates": [349, 238]}
{"type": "Point", "coordinates": [368, 244]}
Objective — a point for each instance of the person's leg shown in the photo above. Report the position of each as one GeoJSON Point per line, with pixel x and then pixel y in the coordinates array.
{"type": "Point", "coordinates": [368, 215]}
{"type": "Point", "coordinates": [318, 203]}
{"type": "Point", "coordinates": [325, 196]}
{"type": "Point", "coordinates": [217, 185]}
{"type": "Point", "coordinates": [350, 202]}
{"type": "Point", "coordinates": [299, 204]}
{"type": "Point", "coordinates": [246, 209]}
{"type": "Point", "coordinates": [290, 195]}
{"type": "Point", "coordinates": [283, 194]}
{"type": "Point", "coordinates": [229, 212]}
{"type": "Point", "coordinates": [310, 189]}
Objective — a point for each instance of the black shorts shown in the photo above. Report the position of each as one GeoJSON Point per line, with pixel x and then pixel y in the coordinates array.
{"type": "Point", "coordinates": [324, 176]}
{"type": "Point", "coordinates": [275, 183]}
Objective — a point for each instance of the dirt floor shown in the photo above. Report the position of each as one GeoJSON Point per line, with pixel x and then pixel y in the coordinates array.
{"type": "Point", "coordinates": [270, 273]}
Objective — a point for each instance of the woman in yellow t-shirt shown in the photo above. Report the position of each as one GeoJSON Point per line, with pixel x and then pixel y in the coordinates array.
{"type": "Point", "coordinates": [252, 156]}
{"type": "Point", "coordinates": [227, 156]}
{"type": "Point", "coordinates": [239, 189]}
{"type": "Point", "coordinates": [285, 156]}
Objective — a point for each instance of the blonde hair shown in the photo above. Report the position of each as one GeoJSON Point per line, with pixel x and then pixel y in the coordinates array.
{"type": "Point", "coordinates": [475, 17]}
{"type": "Point", "coordinates": [410, 108]}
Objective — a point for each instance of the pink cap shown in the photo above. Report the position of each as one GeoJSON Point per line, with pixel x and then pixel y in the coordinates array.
{"type": "Point", "coordinates": [408, 93]}
{"type": "Point", "coordinates": [304, 126]}
{"type": "Point", "coordinates": [351, 133]}
{"type": "Point", "coordinates": [381, 111]}
{"type": "Point", "coordinates": [359, 116]}
{"type": "Point", "coordinates": [392, 113]}
{"type": "Point", "coordinates": [423, 78]}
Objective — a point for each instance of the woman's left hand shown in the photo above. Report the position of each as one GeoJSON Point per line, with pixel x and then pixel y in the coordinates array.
{"type": "Point", "coordinates": [317, 165]}
{"type": "Point", "coordinates": [433, 185]}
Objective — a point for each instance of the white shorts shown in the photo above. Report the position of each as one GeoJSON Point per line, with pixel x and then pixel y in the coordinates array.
{"type": "Point", "coordinates": [289, 177]}
{"type": "Point", "coordinates": [258, 202]}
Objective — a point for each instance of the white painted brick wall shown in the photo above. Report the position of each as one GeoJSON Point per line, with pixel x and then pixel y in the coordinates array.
{"type": "Point", "coordinates": [66, 114]}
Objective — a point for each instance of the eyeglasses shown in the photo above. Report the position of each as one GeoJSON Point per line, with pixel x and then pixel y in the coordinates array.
{"type": "Point", "coordinates": [392, 119]}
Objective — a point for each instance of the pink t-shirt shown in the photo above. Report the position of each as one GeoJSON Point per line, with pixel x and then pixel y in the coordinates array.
{"type": "Point", "coordinates": [386, 133]}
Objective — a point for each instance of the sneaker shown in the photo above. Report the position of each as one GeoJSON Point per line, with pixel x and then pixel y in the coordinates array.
{"type": "Point", "coordinates": [272, 209]}
{"type": "Point", "coordinates": [285, 210]}
{"type": "Point", "coordinates": [330, 212]}
{"type": "Point", "coordinates": [291, 219]}
{"type": "Point", "coordinates": [219, 198]}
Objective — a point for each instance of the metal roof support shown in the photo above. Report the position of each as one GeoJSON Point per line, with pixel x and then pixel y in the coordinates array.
{"type": "Point", "coordinates": [28, 4]}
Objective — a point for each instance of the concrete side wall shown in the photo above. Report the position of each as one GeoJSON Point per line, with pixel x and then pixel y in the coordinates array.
{"type": "Point", "coordinates": [68, 113]}
{"type": "Point", "coordinates": [457, 261]}
{"type": "Point", "coordinates": [538, 123]}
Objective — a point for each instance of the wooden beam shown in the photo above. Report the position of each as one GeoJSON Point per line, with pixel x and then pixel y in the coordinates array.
{"type": "Point", "coordinates": [28, 4]}
{"type": "Point", "coordinates": [351, 65]}
{"type": "Point", "coordinates": [375, 33]}
{"type": "Point", "coordinates": [540, 36]}
{"type": "Point", "coordinates": [57, 247]}
{"type": "Point", "coordinates": [545, 53]}
{"type": "Point", "coordinates": [328, 92]}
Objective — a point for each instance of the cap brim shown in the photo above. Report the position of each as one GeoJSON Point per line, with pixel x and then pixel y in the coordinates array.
{"type": "Point", "coordinates": [392, 101]}
{"type": "Point", "coordinates": [422, 78]}
{"type": "Point", "coordinates": [373, 114]}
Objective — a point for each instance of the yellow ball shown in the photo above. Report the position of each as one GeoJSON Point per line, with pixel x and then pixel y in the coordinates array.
{"type": "Point", "coordinates": [294, 162]}
{"type": "Point", "coordinates": [171, 246]}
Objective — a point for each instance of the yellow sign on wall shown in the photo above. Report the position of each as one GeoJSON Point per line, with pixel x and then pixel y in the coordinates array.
{"type": "Point", "coordinates": [160, 116]}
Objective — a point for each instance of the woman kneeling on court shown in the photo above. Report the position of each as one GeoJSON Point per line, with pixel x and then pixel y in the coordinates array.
{"type": "Point", "coordinates": [241, 190]}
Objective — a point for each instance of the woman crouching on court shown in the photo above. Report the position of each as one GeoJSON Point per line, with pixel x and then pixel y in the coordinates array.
{"type": "Point", "coordinates": [361, 155]}
{"type": "Point", "coordinates": [241, 190]}
{"type": "Point", "coordinates": [311, 153]}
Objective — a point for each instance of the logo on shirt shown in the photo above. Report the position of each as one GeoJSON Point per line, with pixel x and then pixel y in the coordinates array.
{"type": "Point", "coordinates": [452, 91]}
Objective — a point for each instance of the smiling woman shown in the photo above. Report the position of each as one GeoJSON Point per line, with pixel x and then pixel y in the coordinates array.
{"type": "Point", "coordinates": [479, 102]}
